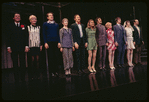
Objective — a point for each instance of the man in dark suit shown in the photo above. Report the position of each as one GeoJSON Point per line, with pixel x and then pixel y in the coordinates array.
{"type": "Point", "coordinates": [17, 45]}
{"type": "Point", "coordinates": [101, 38]}
{"type": "Point", "coordinates": [138, 42]}
{"type": "Point", "coordinates": [120, 41]}
{"type": "Point", "coordinates": [80, 39]}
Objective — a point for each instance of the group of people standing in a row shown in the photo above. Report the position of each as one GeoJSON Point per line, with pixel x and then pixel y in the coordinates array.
{"type": "Point", "coordinates": [22, 38]}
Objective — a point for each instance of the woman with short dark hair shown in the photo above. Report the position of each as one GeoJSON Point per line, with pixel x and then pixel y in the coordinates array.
{"type": "Point", "coordinates": [130, 46]}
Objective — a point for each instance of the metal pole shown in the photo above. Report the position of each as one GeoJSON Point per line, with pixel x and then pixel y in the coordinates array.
{"type": "Point", "coordinates": [59, 6]}
{"type": "Point", "coordinates": [45, 49]}
{"type": "Point", "coordinates": [43, 12]}
{"type": "Point", "coordinates": [134, 11]}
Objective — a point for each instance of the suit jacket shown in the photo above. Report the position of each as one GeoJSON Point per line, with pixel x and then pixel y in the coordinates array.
{"type": "Point", "coordinates": [76, 33]}
{"type": "Point", "coordinates": [17, 37]}
{"type": "Point", "coordinates": [101, 35]}
{"type": "Point", "coordinates": [137, 40]}
{"type": "Point", "coordinates": [119, 34]}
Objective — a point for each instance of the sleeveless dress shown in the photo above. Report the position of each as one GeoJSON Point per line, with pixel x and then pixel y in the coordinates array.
{"type": "Point", "coordinates": [129, 35]}
{"type": "Point", "coordinates": [110, 36]}
{"type": "Point", "coordinates": [34, 39]}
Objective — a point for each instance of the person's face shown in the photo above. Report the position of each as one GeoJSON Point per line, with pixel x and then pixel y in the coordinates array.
{"type": "Point", "coordinates": [33, 20]}
{"type": "Point", "coordinates": [128, 24]}
{"type": "Point", "coordinates": [119, 21]}
{"type": "Point", "coordinates": [77, 18]}
{"type": "Point", "coordinates": [65, 22]}
{"type": "Point", "coordinates": [110, 26]}
{"type": "Point", "coordinates": [17, 18]}
{"type": "Point", "coordinates": [100, 20]}
{"type": "Point", "coordinates": [92, 23]}
{"type": "Point", "coordinates": [136, 22]}
{"type": "Point", "coordinates": [50, 17]}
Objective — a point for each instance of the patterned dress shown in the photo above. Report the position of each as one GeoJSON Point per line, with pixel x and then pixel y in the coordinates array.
{"type": "Point", "coordinates": [34, 39]}
{"type": "Point", "coordinates": [110, 36]}
{"type": "Point", "coordinates": [129, 34]}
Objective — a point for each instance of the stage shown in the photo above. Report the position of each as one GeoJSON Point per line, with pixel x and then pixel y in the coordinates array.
{"type": "Point", "coordinates": [129, 83]}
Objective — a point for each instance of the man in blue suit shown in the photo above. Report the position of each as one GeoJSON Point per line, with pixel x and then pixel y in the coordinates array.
{"type": "Point", "coordinates": [120, 41]}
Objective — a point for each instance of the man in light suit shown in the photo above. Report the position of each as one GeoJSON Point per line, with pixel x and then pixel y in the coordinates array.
{"type": "Point", "coordinates": [138, 42]}
{"type": "Point", "coordinates": [80, 39]}
{"type": "Point", "coordinates": [120, 41]}
{"type": "Point", "coordinates": [101, 38]}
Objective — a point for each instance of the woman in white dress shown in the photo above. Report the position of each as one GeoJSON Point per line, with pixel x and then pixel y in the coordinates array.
{"type": "Point", "coordinates": [130, 46]}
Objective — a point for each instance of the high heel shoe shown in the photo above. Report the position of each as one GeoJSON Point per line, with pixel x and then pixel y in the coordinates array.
{"type": "Point", "coordinates": [89, 68]}
{"type": "Point", "coordinates": [93, 69]}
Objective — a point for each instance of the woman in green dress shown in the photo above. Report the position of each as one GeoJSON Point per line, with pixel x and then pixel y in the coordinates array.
{"type": "Point", "coordinates": [92, 45]}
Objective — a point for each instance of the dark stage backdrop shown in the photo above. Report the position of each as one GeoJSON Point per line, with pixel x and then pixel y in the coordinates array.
{"type": "Point", "coordinates": [107, 11]}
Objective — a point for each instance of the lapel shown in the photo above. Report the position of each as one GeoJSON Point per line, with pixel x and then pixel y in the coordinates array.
{"type": "Point", "coordinates": [137, 29]}
{"type": "Point", "coordinates": [76, 26]}
{"type": "Point", "coordinates": [82, 27]}
{"type": "Point", "coordinates": [119, 26]}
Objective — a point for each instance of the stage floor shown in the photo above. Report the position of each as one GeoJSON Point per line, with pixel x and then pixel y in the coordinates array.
{"type": "Point", "coordinates": [121, 83]}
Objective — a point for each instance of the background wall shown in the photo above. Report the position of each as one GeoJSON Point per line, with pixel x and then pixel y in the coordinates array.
{"type": "Point", "coordinates": [107, 11]}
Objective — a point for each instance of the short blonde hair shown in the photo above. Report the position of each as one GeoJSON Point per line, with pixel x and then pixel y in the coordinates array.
{"type": "Point", "coordinates": [64, 19]}
{"type": "Point", "coordinates": [107, 24]}
{"type": "Point", "coordinates": [30, 17]}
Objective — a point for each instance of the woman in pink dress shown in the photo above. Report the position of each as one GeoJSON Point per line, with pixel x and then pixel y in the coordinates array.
{"type": "Point", "coordinates": [111, 45]}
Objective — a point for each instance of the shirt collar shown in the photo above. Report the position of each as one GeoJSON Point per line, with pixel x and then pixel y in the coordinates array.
{"type": "Point", "coordinates": [78, 24]}
{"type": "Point", "coordinates": [16, 23]}
{"type": "Point", "coordinates": [118, 24]}
{"type": "Point", "coordinates": [51, 22]}
{"type": "Point", "coordinates": [33, 25]}
{"type": "Point", "coordinates": [135, 25]}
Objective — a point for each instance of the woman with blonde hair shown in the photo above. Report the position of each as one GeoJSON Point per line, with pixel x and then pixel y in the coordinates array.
{"type": "Point", "coordinates": [92, 45]}
{"type": "Point", "coordinates": [35, 45]}
{"type": "Point", "coordinates": [130, 46]}
{"type": "Point", "coordinates": [111, 45]}
{"type": "Point", "coordinates": [67, 46]}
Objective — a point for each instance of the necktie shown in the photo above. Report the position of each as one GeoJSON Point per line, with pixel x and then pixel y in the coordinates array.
{"type": "Point", "coordinates": [17, 25]}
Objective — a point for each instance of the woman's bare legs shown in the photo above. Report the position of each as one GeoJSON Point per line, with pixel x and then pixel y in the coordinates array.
{"type": "Point", "coordinates": [110, 53]}
{"type": "Point", "coordinates": [128, 57]}
{"type": "Point", "coordinates": [131, 56]}
{"type": "Point", "coordinates": [112, 62]}
{"type": "Point", "coordinates": [94, 59]}
{"type": "Point", "coordinates": [89, 60]}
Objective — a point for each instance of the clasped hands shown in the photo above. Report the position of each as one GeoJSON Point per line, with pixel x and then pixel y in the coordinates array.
{"type": "Point", "coordinates": [61, 49]}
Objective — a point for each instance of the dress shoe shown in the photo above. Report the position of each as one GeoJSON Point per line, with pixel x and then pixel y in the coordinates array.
{"type": "Point", "coordinates": [104, 68]}
{"type": "Point", "coordinates": [79, 71]}
{"type": "Point", "coordinates": [139, 63]}
{"type": "Point", "coordinates": [82, 70]}
{"type": "Point", "coordinates": [52, 74]}
{"type": "Point", "coordinates": [100, 68]}
{"type": "Point", "coordinates": [69, 71]}
{"type": "Point", "coordinates": [56, 74]}
{"type": "Point", "coordinates": [119, 66]}
{"type": "Point", "coordinates": [122, 66]}
{"type": "Point", "coordinates": [93, 69]}
{"type": "Point", "coordinates": [90, 70]}
{"type": "Point", "coordinates": [66, 72]}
